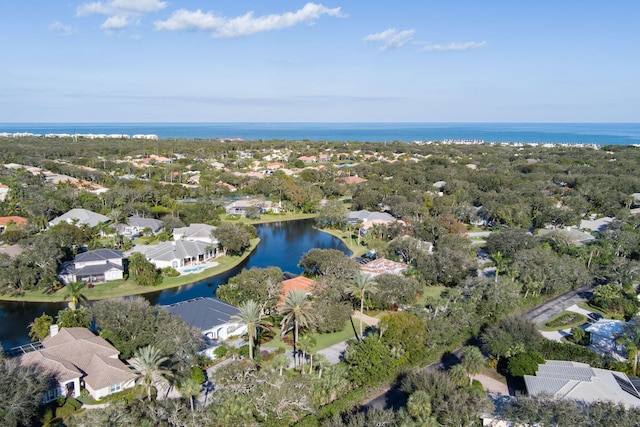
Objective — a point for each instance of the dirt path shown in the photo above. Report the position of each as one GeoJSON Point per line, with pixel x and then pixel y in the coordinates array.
{"type": "Point", "coordinates": [370, 321]}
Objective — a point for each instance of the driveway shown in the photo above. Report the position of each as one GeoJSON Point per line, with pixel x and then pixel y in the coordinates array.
{"type": "Point", "coordinates": [547, 310]}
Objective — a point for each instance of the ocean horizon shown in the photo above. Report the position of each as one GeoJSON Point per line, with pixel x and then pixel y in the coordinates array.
{"type": "Point", "coordinates": [559, 133]}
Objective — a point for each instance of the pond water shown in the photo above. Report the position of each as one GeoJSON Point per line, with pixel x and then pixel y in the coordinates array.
{"type": "Point", "coordinates": [282, 244]}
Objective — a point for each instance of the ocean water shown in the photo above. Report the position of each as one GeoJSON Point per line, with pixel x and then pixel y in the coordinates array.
{"type": "Point", "coordinates": [572, 133]}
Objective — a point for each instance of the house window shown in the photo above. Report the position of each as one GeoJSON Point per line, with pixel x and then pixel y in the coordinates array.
{"type": "Point", "coordinates": [51, 395]}
{"type": "Point", "coordinates": [115, 387]}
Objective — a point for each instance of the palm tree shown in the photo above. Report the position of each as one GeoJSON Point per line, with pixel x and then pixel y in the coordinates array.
{"type": "Point", "coordinates": [306, 344]}
{"type": "Point", "coordinates": [361, 284]}
{"type": "Point", "coordinates": [147, 365]}
{"type": "Point", "coordinates": [296, 309]}
{"type": "Point", "coordinates": [74, 290]}
{"type": "Point", "coordinates": [190, 388]}
{"type": "Point", "coordinates": [280, 362]}
{"type": "Point", "coordinates": [499, 261]}
{"type": "Point", "coordinates": [250, 314]}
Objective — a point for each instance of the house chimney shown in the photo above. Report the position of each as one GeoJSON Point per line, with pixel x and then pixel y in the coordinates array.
{"type": "Point", "coordinates": [53, 330]}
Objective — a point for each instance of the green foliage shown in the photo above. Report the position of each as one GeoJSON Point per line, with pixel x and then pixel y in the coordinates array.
{"type": "Point", "coordinates": [510, 336]}
{"type": "Point", "coordinates": [130, 324]}
{"type": "Point", "coordinates": [40, 327]}
{"type": "Point", "coordinates": [524, 363]}
{"type": "Point", "coordinates": [21, 392]}
{"type": "Point", "coordinates": [394, 291]}
{"type": "Point", "coordinates": [262, 285]}
{"type": "Point", "coordinates": [80, 317]}
{"type": "Point", "coordinates": [564, 320]}
{"type": "Point", "coordinates": [169, 272]}
{"type": "Point", "coordinates": [328, 262]}
{"type": "Point", "coordinates": [406, 332]}
{"type": "Point", "coordinates": [370, 361]}
{"type": "Point", "coordinates": [142, 271]}
{"type": "Point", "coordinates": [234, 238]}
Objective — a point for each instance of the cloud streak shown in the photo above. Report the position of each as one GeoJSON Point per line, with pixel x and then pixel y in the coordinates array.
{"type": "Point", "coordinates": [390, 38]}
{"type": "Point", "coordinates": [58, 27]}
{"type": "Point", "coordinates": [245, 25]}
{"type": "Point", "coordinates": [452, 46]}
{"type": "Point", "coordinates": [120, 12]}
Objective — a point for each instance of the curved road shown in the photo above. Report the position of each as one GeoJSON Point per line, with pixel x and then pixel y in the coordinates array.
{"type": "Point", "coordinates": [394, 398]}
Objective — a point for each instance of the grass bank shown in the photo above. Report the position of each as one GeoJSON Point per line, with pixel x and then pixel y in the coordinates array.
{"type": "Point", "coordinates": [348, 239]}
{"type": "Point", "coordinates": [268, 218]}
{"type": "Point", "coordinates": [122, 288]}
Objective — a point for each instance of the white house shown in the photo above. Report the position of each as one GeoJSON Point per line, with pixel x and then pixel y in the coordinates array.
{"type": "Point", "coordinates": [197, 233]}
{"type": "Point", "coordinates": [136, 224]}
{"type": "Point", "coordinates": [76, 357]}
{"type": "Point", "coordinates": [180, 253]}
{"type": "Point", "coordinates": [603, 335]}
{"type": "Point", "coordinates": [212, 316]}
{"type": "Point", "coordinates": [97, 266]}
{"type": "Point", "coordinates": [80, 217]}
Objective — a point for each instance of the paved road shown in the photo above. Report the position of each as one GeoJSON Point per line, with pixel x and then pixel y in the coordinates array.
{"type": "Point", "coordinates": [547, 310]}
{"type": "Point", "coordinates": [394, 398]}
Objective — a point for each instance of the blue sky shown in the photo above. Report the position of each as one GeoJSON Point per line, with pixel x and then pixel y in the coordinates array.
{"type": "Point", "coordinates": [325, 61]}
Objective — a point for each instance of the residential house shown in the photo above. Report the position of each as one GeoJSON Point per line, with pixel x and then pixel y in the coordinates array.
{"type": "Point", "coordinates": [97, 266]}
{"type": "Point", "coordinates": [239, 207]}
{"type": "Point", "coordinates": [383, 266]}
{"type": "Point", "coordinates": [196, 233]}
{"type": "Point", "coordinates": [308, 159]}
{"type": "Point", "coordinates": [4, 192]}
{"type": "Point", "coordinates": [78, 358]}
{"type": "Point", "coordinates": [80, 217]}
{"type": "Point", "coordinates": [180, 253]}
{"type": "Point", "coordinates": [369, 219]}
{"type": "Point", "coordinates": [299, 283]}
{"type": "Point", "coordinates": [582, 383]}
{"type": "Point", "coordinates": [603, 335]}
{"type": "Point", "coordinates": [596, 224]}
{"type": "Point", "coordinates": [212, 316]}
{"type": "Point", "coordinates": [355, 179]}
{"type": "Point", "coordinates": [135, 225]}
{"type": "Point", "coordinates": [15, 220]}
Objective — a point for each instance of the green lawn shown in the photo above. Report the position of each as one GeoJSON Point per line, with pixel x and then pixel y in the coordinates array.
{"type": "Point", "coordinates": [323, 340]}
{"type": "Point", "coordinates": [565, 320]}
{"type": "Point", "coordinates": [349, 239]}
{"type": "Point", "coordinates": [119, 288]}
{"type": "Point", "coordinates": [430, 292]}
{"type": "Point", "coordinates": [267, 218]}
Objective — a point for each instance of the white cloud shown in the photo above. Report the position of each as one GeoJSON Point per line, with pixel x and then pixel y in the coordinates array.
{"type": "Point", "coordinates": [391, 38]}
{"type": "Point", "coordinates": [58, 27]}
{"type": "Point", "coordinates": [453, 46]}
{"type": "Point", "coordinates": [121, 7]}
{"type": "Point", "coordinates": [116, 22]}
{"type": "Point", "coordinates": [246, 24]}
{"type": "Point", "coordinates": [120, 12]}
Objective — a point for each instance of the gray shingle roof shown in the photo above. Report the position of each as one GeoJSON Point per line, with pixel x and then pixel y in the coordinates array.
{"type": "Point", "coordinates": [178, 249]}
{"type": "Point", "coordinates": [581, 382]}
{"type": "Point", "coordinates": [203, 313]}
{"type": "Point", "coordinates": [83, 216]}
{"type": "Point", "coordinates": [137, 221]}
{"type": "Point", "coordinates": [365, 215]}
{"type": "Point", "coordinates": [98, 255]}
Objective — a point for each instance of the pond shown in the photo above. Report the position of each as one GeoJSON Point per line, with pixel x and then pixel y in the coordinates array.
{"type": "Point", "coordinates": [282, 244]}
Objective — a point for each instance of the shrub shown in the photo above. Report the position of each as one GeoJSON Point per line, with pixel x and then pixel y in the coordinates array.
{"type": "Point", "coordinates": [524, 363]}
{"type": "Point", "coordinates": [170, 272]}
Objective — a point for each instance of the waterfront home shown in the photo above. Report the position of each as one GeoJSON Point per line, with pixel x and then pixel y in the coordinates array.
{"type": "Point", "coordinates": [80, 217]}
{"type": "Point", "coordinates": [240, 207]}
{"type": "Point", "coordinates": [179, 253]}
{"type": "Point", "coordinates": [212, 316]}
{"type": "Point", "coordinates": [197, 233]}
{"type": "Point", "coordinates": [369, 219]}
{"type": "Point", "coordinates": [582, 383]}
{"type": "Point", "coordinates": [77, 359]}
{"type": "Point", "coordinates": [97, 266]}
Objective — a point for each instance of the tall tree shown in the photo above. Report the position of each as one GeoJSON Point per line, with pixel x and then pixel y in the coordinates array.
{"type": "Point", "coordinates": [21, 392]}
{"type": "Point", "coordinates": [74, 291]}
{"type": "Point", "coordinates": [250, 314]}
{"type": "Point", "coordinates": [360, 285]}
{"type": "Point", "coordinates": [147, 365]}
{"type": "Point", "coordinates": [296, 309]}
